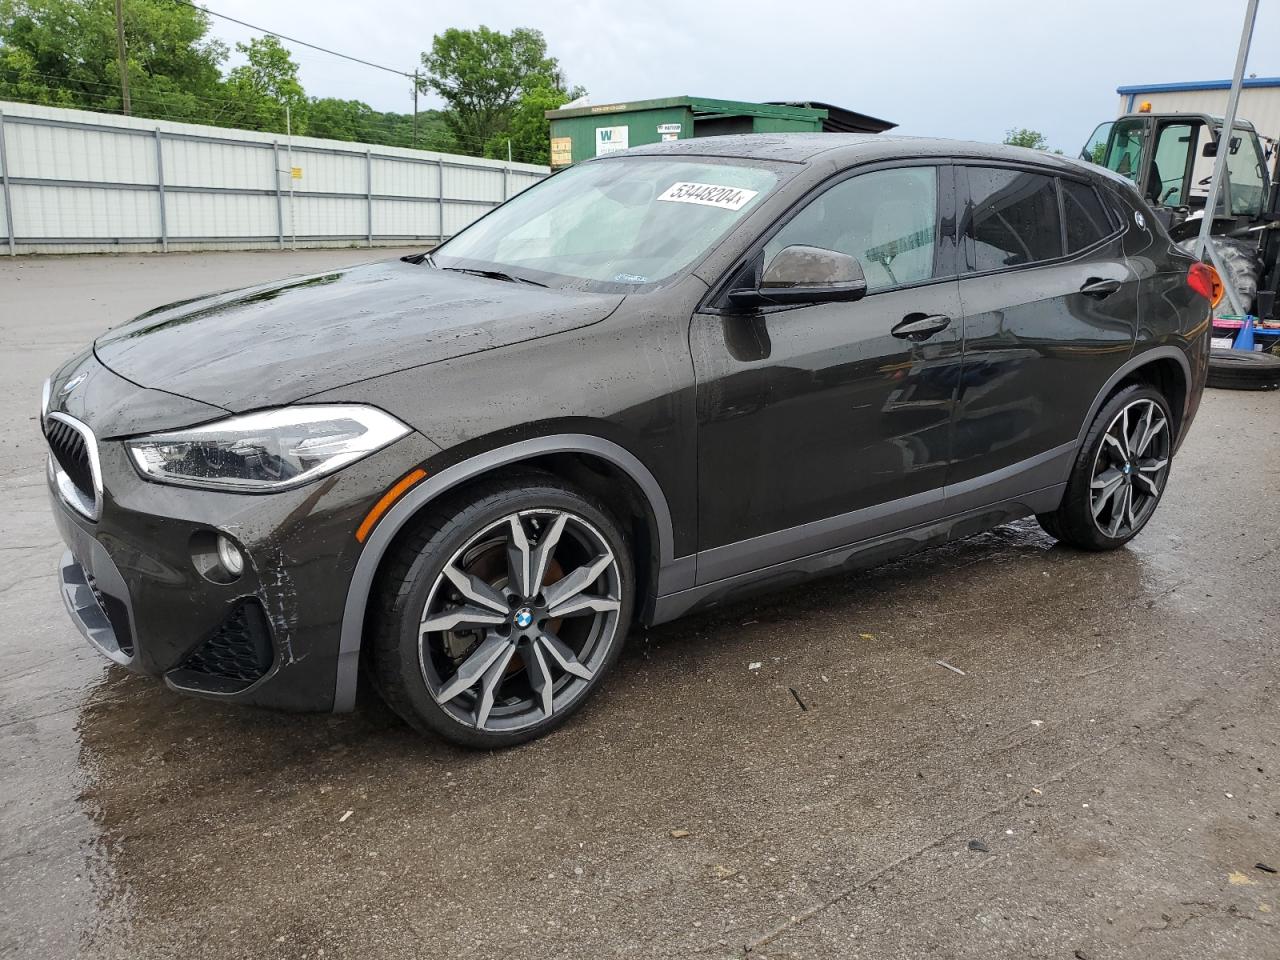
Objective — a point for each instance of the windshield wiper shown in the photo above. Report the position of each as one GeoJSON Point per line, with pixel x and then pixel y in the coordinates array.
{"type": "Point", "coordinates": [494, 275]}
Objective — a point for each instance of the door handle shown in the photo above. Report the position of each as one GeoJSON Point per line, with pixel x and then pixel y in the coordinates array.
{"type": "Point", "coordinates": [1100, 288]}
{"type": "Point", "coordinates": [920, 326]}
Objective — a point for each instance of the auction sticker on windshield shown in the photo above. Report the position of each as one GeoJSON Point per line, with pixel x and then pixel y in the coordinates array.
{"type": "Point", "coordinates": [709, 195]}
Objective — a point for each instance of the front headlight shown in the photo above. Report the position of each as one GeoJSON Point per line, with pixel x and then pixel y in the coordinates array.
{"type": "Point", "coordinates": [266, 451]}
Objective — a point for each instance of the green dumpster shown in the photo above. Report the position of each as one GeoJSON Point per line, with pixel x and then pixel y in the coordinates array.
{"type": "Point", "coordinates": [591, 131]}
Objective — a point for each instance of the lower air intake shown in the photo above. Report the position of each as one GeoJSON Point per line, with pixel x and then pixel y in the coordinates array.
{"type": "Point", "coordinates": [241, 649]}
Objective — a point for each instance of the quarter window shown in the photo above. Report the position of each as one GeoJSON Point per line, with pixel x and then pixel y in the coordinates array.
{"type": "Point", "coordinates": [887, 219]}
{"type": "Point", "coordinates": [1086, 219]}
{"type": "Point", "coordinates": [1012, 218]}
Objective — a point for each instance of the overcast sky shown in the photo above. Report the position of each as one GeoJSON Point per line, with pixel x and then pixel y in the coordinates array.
{"type": "Point", "coordinates": [967, 68]}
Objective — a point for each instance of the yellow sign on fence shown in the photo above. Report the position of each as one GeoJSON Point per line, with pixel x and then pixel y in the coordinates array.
{"type": "Point", "coordinates": [296, 173]}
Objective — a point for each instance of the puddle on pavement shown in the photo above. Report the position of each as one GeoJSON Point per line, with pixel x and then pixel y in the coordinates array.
{"type": "Point", "coordinates": [176, 796]}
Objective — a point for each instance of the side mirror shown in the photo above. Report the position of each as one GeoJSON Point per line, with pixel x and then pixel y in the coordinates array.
{"type": "Point", "coordinates": [1210, 148]}
{"type": "Point", "coordinates": [801, 274]}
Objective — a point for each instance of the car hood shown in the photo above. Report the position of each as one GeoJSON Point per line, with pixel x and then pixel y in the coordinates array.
{"type": "Point", "coordinates": [280, 342]}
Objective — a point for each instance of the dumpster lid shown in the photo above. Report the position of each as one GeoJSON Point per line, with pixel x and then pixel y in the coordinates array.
{"type": "Point", "coordinates": [840, 120]}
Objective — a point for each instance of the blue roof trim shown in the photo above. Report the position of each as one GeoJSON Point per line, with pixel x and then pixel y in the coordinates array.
{"type": "Point", "coordinates": [1196, 85]}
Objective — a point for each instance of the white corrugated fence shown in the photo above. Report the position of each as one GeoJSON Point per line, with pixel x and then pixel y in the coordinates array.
{"type": "Point", "coordinates": [74, 181]}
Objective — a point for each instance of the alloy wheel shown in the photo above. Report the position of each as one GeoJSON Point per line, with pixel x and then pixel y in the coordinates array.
{"type": "Point", "coordinates": [1130, 468]}
{"type": "Point", "coordinates": [520, 619]}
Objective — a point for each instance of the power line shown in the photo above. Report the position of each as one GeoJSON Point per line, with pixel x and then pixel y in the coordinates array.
{"type": "Point", "coordinates": [303, 43]}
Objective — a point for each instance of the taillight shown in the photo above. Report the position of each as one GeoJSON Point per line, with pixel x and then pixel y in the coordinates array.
{"type": "Point", "coordinates": [1204, 280]}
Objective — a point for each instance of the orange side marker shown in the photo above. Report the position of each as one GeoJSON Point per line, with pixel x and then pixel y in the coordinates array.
{"type": "Point", "coordinates": [384, 504]}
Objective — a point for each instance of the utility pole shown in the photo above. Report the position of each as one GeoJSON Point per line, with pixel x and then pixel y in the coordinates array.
{"type": "Point", "coordinates": [293, 220]}
{"type": "Point", "coordinates": [415, 109]}
{"type": "Point", "coordinates": [120, 52]}
{"type": "Point", "coordinates": [1203, 244]}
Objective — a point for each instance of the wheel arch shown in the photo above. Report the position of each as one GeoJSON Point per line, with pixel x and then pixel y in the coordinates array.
{"type": "Point", "coordinates": [1165, 367]}
{"type": "Point", "coordinates": [575, 457]}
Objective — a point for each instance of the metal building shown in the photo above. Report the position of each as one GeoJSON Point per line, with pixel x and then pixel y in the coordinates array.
{"type": "Point", "coordinates": [578, 133]}
{"type": "Point", "coordinates": [1259, 100]}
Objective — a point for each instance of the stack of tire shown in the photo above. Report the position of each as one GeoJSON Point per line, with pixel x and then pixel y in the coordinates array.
{"type": "Point", "coordinates": [1241, 370]}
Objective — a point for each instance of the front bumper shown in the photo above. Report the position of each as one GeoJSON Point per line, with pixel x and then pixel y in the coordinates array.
{"type": "Point", "coordinates": [132, 586]}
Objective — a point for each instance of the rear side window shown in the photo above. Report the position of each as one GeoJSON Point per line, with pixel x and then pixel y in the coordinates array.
{"type": "Point", "coordinates": [1012, 218]}
{"type": "Point", "coordinates": [1086, 218]}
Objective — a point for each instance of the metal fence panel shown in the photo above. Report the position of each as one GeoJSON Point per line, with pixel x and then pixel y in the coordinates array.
{"type": "Point", "coordinates": [62, 153]}
{"type": "Point", "coordinates": [410, 219]}
{"type": "Point", "coordinates": [78, 181]}
{"type": "Point", "coordinates": [196, 163]}
{"type": "Point", "coordinates": [94, 213]}
{"type": "Point", "coordinates": [198, 215]}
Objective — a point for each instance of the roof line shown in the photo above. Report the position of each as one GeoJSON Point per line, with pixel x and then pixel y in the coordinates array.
{"type": "Point", "coordinates": [1195, 85]}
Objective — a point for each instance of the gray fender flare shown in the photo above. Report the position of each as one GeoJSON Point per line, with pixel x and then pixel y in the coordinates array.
{"type": "Point", "coordinates": [671, 574]}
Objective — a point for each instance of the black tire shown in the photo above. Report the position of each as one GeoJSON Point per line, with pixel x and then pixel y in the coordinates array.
{"type": "Point", "coordinates": [1075, 522]}
{"type": "Point", "coordinates": [406, 670]}
{"type": "Point", "coordinates": [1239, 370]}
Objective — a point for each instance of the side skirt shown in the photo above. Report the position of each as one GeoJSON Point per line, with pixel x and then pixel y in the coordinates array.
{"type": "Point", "coordinates": [856, 556]}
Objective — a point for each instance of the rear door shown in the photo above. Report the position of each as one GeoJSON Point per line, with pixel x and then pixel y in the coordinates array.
{"type": "Point", "coordinates": [1050, 312]}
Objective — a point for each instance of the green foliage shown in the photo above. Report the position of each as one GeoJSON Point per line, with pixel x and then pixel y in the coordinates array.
{"type": "Point", "coordinates": [261, 89]}
{"type": "Point", "coordinates": [529, 130]}
{"type": "Point", "coordinates": [63, 53]}
{"type": "Point", "coordinates": [1022, 137]}
{"type": "Point", "coordinates": [492, 82]}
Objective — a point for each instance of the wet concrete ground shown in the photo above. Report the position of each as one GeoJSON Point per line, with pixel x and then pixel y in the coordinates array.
{"type": "Point", "coordinates": [1113, 743]}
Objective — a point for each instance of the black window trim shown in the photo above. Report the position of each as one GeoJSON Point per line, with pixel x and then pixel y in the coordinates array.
{"type": "Point", "coordinates": [946, 257]}
{"type": "Point", "coordinates": [964, 197]}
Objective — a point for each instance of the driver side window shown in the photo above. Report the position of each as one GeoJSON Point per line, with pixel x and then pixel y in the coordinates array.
{"type": "Point", "coordinates": [887, 219]}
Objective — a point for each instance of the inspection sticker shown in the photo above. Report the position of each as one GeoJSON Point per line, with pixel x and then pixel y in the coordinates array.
{"type": "Point", "coordinates": [709, 195]}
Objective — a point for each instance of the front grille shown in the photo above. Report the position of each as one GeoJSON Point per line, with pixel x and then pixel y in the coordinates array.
{"type": "Point", "coordinates": [71, 452]}
{"type": "Point", "coordinates": [117, 613]}
{"type": "Point", "coordinates": [240, 650]}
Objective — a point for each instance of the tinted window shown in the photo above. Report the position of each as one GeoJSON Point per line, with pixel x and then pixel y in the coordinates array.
{"type": "Point", "coordinates": [1087, 221]}
{"type": "Point", "coordinates": [1012, 218]}
{"type": "Point", "coordinates": [887, 219]}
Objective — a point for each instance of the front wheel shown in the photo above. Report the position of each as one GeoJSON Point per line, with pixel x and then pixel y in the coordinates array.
{"type": "Point", "coordinates": [502, 611]}
{"type": "Point", "coordinates": [1119, 475]}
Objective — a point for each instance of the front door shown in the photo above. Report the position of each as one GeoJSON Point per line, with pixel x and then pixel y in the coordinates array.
{"type": "Point", "coordinates": [817, 425]}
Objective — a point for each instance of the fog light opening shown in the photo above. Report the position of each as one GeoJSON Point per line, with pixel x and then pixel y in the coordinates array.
{"type": "Point", "coordinates": [217, 557]}
{"type": "Point", "coordinates": [229, 556]}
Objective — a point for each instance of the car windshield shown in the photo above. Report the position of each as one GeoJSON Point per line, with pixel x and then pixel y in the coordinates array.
{"type": "Point", "coordinates": [611, 225]}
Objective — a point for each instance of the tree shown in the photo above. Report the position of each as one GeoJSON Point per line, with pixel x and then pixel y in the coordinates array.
{"type": "Point", "coordinates": [1022, 137]}
{"type": "Point", "coordinates": [483, 75]}
{"type": "Point", "coordinates": [529, 131]}
{"type": "Point", "coordinates": [63, 52]}
{"type": "Point", "coordinates": [262, 88]}
{"type": "Point", "coordinates": [339, 119]}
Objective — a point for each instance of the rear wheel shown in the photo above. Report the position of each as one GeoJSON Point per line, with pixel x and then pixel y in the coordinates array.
{"type": "Point", "coordinates": [500, 615]}
{"type": "Point", "coordinates": [1119, 475]}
